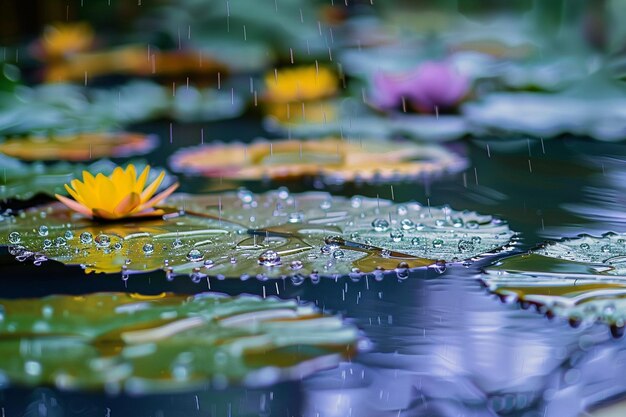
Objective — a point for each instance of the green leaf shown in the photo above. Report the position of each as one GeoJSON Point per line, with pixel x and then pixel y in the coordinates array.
{"type": "Point", "coordinates": [142, 344]}
{"type": "Point", "coordinates": [581, 279]}
{"type": "Point", "coordinates": [591, 108]}
{"type": "Point", "coordinates": [276, 234]}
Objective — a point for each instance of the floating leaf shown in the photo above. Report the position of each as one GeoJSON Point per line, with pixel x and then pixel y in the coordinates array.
{"type": "Point", "coordinates": [141, 343]}
{"type": "Point", "coordinates": [78, 147]}
{"type": "Point", "coordinates": [581, 279]}
{"type": "Point", "coordinates": [334, 160]}
{"type": "Point", "coordinates": [593, 108]}
{"type": "Point", "coordinates": [23, 181]}
{"type": "Point", "coordinates": [276, 234]}
{"type": "Point", "coordinates": [65, 108]}
{"type": "Point", "coordinates": [133, 60]}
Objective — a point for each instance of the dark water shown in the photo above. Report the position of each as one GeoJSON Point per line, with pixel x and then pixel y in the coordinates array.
{"type": "Point", "coordinates": [440, 345]}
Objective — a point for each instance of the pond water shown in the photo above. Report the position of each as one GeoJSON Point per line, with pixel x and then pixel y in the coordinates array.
{"type": "Point", "coordinates": [437, 344]}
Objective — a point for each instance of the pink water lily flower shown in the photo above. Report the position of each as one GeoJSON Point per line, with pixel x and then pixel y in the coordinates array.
{"type": "Point", "coordinates": [431, 87]}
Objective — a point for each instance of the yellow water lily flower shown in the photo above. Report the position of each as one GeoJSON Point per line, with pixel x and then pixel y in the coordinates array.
{"type": "Point", "coordinates": [63, 39]}
{"type": "Point", "coordinates": [300, 84]}
{"type": "Point", "coordinates": [121, 194]}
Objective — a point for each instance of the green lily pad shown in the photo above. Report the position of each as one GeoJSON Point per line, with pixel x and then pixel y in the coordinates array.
{"type": "Point", "coordinates": [594, 107]}
{"type": "Point", "coordinates": [142, 344]}
{"type": "Point", "coordinates": [66, 108]}
{"type": "Point", "coordinates": [276, 234]}
{"type": "Point", "coordinates": [581, 279]}
{"type": "Point", "coordinates": [22, 181]}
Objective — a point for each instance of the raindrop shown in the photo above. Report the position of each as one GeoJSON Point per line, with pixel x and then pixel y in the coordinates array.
{"type": "Point", "coordinates": [584, 246]}
{"type": "Point", "coordinates": [59, 241]}
{"type": "Point", "coordinates": [326, 204]}
{"type": "Point", "coordinates": [380, 225]}
{"type": "Point", "coordinates": [437, 243]}
{"type": "Point", "coordinates": [177, 243]}
{"type": "Point", "coordinates": [245, 195]}
{"type": "Point", "coordinates": [296, 265]}
{"type": "Point", "coordinates": [117, 246]}
{"type": "Point", "coordinates": [297, 279]}
{"type": "Point", "coordinates": [15, 238]}
{"type": "Point", "coordinates": [283, 193]}
{"type": "Point", "coordinates": [195, 255]}
{"type": "Point", "coordinates": [356, 202]}
{"type": "Point", "coordinates": [86, 238]}
{"type": "Point", "coordinates": [69, 235]}
{"type": "Point", "coordinates": [327, 249]}
{"type": "Point", "coordinates": [103, 240]}
{"type": "Point", "coordinates": [296, 217]}
{"type": "Point", "coordinates": [415, 241]}
{"type": "Point", "coordinates": [476, 240]}
{"type": "Point", "coordinates": [402, 210]}
{"type": "Point", "coordinates": [148, 248]}
{"type": "Point", "coordinates": [465, 246]}
{"type": "Point", "coordinates": [338, 254]}
{"type": "Point", "coordinates": [47, 243]}
{"type": "Point", "coordinates": [407, 224]}
{"type": "Point", "coordinates": [43, 230]}
{"type": "Point", "coordinates": [396, 235]}
{"type": "Point", "coordinates": [472, 224]}
{"type": "Point", "coordinates": [269, 258]}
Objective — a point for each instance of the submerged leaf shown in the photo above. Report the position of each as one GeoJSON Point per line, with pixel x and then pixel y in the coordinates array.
{"type": "Point", "coordinates": [335, 160]}
{"type": "Point", "coordinates": [276, 234]}
{"type": "Point", "coordinates": [142, 343]}
{"type": "Point", "coordinates": [581, 279]}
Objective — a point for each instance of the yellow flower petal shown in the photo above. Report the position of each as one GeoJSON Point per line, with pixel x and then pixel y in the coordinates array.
{"type": "Point", "coordinates": [116, 196]}
{"type": "Point", "coordinates": [151, 189]}
{"type": "Point", "coordinates": [141, 181]}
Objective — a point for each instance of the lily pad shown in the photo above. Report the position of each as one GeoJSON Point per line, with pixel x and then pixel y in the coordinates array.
{"type": "Point", "coordinates": [595, 107]}
{"type": "Point", "coordinates": [66, 108]}
{"type": "Point", "coordinates": [22, 181]}
{"type": "Point", "coordinates": [581, 279]}
{"type": "Point", "coordinates": [334, 160]}
{"type": "Point", "coordinates": [272, 235]}
{"type": "Point", "coordinates": [78, 147]}
{"type": "Point", "coordinates": [142, 344]}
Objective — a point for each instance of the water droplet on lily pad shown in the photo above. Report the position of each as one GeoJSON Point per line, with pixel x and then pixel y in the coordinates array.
{"type": "Point", "coordinates": [380, 225]}
{"type": "Point", "coordinates": [236, 230]}
{"type": "Point", "coordinates": [195, 255]}
{"type": "Point", "coordinates": [86, 238]}
{"type": "Point", "coordinates": [14, 238]}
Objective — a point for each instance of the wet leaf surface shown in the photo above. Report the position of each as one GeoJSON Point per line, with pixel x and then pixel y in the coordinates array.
{"type": "Point", "coordinates": [276, 234]}
{"type": "Point", "coordinates": [581, 279]}
{"type": "Point", "coordinates": [143, 343]}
